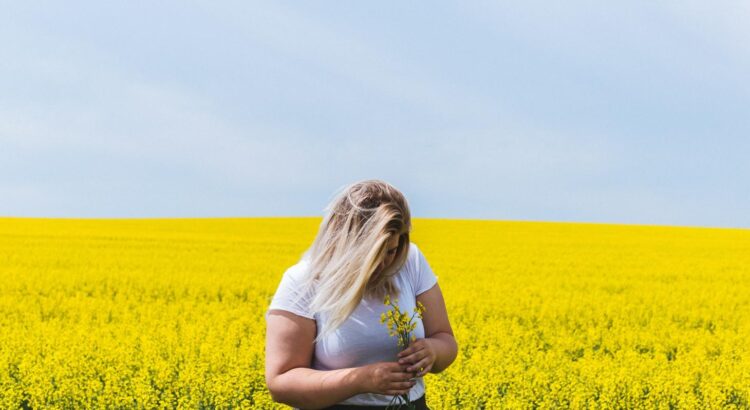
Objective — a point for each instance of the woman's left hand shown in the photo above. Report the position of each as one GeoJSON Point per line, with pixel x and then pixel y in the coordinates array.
{"type": "Point", "coordinates": [421, 355]}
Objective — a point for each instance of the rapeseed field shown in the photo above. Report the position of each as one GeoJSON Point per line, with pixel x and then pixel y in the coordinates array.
{"type": "Point", "coordinates": [168, 313]}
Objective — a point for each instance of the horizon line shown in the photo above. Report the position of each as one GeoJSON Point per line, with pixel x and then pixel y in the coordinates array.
{"type": "Point", "coordinates": [413, 217]}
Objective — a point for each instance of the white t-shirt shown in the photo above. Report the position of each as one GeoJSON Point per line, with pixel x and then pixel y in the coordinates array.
{"type": "Point", "coordinates": [362, 339]}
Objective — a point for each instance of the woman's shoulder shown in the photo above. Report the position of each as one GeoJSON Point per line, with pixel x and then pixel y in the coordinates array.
{"type": "Point", "coordinates": [413, 255]}
{"type": "Point", "coordinates": [295, 274]}
{"type": "Point", "coordinates": [299, 268]}
{"type": "Point", "coordinates": [412, 251]}
{"type": "Point", "coordinates": [412, 259]}
{"type": "Point", "coordinates": [420, 272]}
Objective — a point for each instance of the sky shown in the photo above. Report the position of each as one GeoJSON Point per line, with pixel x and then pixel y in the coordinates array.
{"type": "Point", "coordinates": [627, 112]}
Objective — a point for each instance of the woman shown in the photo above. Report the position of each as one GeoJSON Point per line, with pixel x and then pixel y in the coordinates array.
{"type": "Point", "coordinates": [336, 291]}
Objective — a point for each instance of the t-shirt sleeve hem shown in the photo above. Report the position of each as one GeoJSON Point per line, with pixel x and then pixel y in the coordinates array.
{"type": "Point", "coordinates": [432, 284]}
{"type": "Point", "coordinates": [292, 310]}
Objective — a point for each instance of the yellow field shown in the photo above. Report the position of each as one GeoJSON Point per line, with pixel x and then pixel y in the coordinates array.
{"type": "Point", "coordinates": [166, 313]}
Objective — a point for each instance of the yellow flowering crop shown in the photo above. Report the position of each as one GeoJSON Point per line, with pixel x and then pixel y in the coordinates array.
{"type": "Point", "coordinates": [168, 313]}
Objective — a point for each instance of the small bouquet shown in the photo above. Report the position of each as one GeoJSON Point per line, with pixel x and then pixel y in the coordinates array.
{"type": "Point", "coordinates": [400, 324]}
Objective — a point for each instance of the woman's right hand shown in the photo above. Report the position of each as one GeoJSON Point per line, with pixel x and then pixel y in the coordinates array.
{"type": "Point", "coordinates": [390, 378]}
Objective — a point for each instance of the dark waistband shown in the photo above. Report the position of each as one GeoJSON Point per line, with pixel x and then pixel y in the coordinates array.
{"type": "Point", "coordinates": [421, 404]}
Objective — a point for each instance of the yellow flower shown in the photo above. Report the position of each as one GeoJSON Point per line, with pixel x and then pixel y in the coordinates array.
{"type": "Point", "coordinates": [400, 324]}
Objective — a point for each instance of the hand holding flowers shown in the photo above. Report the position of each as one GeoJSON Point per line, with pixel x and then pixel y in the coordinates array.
{"type": "Point", "coordinates": [419, 353]}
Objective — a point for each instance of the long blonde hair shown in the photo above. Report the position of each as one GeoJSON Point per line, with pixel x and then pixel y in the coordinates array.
{"type": "Point", "coordinates": [350, 244]}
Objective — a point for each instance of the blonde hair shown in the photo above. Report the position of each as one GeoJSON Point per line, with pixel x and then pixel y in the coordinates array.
{"type": "Point", "coordinates": [350, 244]}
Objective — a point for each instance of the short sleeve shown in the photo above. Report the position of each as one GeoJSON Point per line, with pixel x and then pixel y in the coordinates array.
{"type": "Point", "coordinates": [289, 296]}
{"type": "Point", "coordinates": [425, 279]}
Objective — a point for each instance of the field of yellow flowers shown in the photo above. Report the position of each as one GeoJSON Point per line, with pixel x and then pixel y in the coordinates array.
{"type": "Point", "coordinates": [164, 313]}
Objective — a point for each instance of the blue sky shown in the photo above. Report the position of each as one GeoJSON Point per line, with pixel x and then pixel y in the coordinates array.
{"type": "Point", "coordinates": [630, 112]}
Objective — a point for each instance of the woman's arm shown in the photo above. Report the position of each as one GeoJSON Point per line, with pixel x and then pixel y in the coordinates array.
{"type": "Point", "coordinates": [306, 388]}
{"type": "Point", "coordinates": [289, 378]}
{"type": "Point", "coordinates": [446, 350]}
{"type": "Point", "coordinates": [437, 328]}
